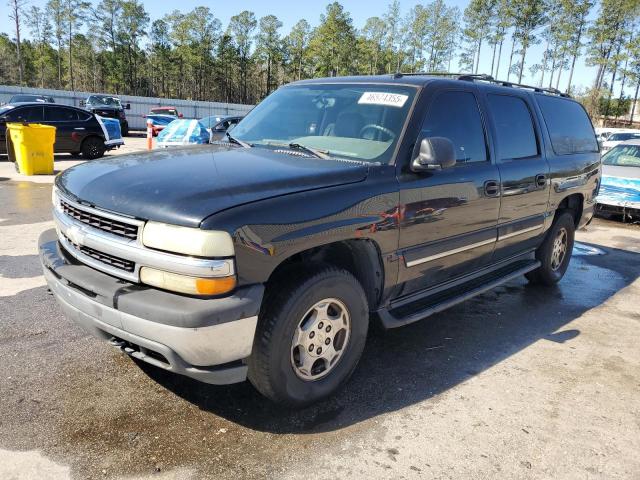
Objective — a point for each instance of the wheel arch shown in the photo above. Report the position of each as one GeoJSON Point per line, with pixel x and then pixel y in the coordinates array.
{"type": "Point", "coordinates": [573, 203]}
{"type": "Point", "coordinates": [361, 258]}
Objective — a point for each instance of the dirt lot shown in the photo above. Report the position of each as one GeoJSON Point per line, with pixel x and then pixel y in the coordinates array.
{"type": "Point", "coordinates": [522, 382]}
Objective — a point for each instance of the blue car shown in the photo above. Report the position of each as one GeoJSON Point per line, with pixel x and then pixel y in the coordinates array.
{"type": "Point", "coordinates": [620, 187]}
{"type": "Point", "coordinates": [183, 132]}
{"type": "Point", "coordinates": [159, 121]}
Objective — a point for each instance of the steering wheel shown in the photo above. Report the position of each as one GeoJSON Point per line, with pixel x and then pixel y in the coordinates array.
{"type": "Point", "coordinates": [373, 126]}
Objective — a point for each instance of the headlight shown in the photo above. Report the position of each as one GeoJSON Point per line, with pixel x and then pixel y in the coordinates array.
{"type": "Point", "coordinates": [186, 284]}
{"type": "Point", "coordinates": [186, 240]}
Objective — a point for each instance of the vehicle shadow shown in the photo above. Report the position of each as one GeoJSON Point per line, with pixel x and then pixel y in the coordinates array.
{"type": "Point", "coordinates": [408, 365]}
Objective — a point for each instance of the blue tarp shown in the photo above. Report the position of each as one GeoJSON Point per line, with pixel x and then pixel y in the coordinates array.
{"type": "Point", "coordinates": [620, 191]}
{"type": "Point", "coordinates": [111, 129]}
{"type": "Point", "coordinates": [183, 132]}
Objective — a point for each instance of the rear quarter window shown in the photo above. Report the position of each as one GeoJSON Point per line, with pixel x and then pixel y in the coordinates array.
{"type": "Point", "coordinates": [568, 124]}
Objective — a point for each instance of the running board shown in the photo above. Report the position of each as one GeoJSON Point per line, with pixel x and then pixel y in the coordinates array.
{"type": "Point", "coordinates": [434, 302]}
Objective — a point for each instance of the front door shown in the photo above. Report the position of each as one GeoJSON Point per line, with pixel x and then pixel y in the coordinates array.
{"type": "Point", "coordinates": [524, 173]}
{"type": "Point", "coordinates": [448, 217]}
{"type": "Point", "coordinates": [26, 113]}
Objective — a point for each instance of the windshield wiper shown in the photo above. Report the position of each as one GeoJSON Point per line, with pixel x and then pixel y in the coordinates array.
{"type": "Point", "coordinates": [313, 151]}
{"type": "Point", "coordinates": [238, 142]}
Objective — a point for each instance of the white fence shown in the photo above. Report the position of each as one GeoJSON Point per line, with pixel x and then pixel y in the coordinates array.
{"type": "Point", "coordinates": [140, 106]}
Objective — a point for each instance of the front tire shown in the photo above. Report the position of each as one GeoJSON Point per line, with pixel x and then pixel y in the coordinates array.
{"type": "Point", "coordinates": [555, 251]}
{"type": "Point", "coordinates": [310, 337]}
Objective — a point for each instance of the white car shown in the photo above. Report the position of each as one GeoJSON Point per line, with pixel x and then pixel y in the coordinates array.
{"type": "Point", "coordinates": [620, 184]}
{"type": "Point", "coordinates": [617, 138]}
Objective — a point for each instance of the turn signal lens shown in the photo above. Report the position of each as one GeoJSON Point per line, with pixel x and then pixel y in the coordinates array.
{"type": "Point", "coordinates": [215, 286]}
{"type": "Point", "coordinates": [185, 284]}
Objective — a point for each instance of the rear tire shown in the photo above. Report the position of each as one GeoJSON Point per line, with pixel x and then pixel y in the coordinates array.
{"type": "Point", "coordinates": [92, 148]}
{"type": "Point", "coordinates": [291, 325]}
{"type": "Point", "coordinates": [555, 251]}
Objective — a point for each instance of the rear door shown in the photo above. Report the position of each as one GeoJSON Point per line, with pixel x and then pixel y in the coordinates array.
{"type": "Point", "coordinates": [448, 217]}
{"type": "Point", "coordinates": [69, 130]}
{"type": "Point", "coordinates": [524, 172]}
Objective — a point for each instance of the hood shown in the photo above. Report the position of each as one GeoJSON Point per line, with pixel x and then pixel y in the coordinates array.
{"type": "Point", "coordinates": [183, 186]}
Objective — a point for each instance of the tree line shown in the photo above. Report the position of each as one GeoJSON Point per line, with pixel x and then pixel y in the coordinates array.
{"type": "Point", "coordinates": [115, 46]}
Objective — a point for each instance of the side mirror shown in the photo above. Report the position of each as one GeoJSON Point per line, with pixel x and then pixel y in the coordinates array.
{"type": "Point", "coordinates": [435, 153]}
{"type": "Point", "coordinates": [180, 115]}
{"type": "Point", "coordinates": [127, 106]}
{"type": "Point", "coordinates": [83, 103]}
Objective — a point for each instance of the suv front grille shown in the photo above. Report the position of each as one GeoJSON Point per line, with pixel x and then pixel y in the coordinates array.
{"type": "Point", "coordinates": [105, 224]}
{"type": "Point", "coordinates": [116, 262]}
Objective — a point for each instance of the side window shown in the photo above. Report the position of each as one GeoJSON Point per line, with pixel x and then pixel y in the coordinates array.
{"type": "Point", "coordinates": [29, 114]}
{"type": "Point", "coordinates": [455, 115]}
{"type": "Point", "coordinates": [60, 114]}
{"type": "Point", "coordinates": [568, 125]}
{"type": "Point", "coordinates": [84, 116]}
{"type": "Point", "coordinates": [516, 136]}
{"type": "Point", "coordinates": [14, 115]}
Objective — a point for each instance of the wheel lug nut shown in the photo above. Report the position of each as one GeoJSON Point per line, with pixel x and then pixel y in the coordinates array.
{"type": "Point", "coordinates": [328, 329]}
{"type": "Point", "coordinates": [312, 334]}
{"type": "Point", "coordinates": [320, 325]}
{"type": "Point", "coordinates": [327, 341]}
{"type": "Point", "coordinates": [319, 351]}
{"type": "Point", "coordinates": [311, 347]}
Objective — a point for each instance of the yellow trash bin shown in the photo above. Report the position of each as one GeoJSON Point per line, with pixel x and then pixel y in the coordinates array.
{"type": "Point", "coordinates": [33, 147]}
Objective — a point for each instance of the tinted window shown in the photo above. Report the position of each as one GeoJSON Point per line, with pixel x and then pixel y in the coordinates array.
{"type": "Point", "coordinates": [84, 115]}
{"type": "Point", "coordinates": [568, 124]}
{"type": "Point", "coordinates": [455, 115]}
{"type": "Point", "coordinates": [60, 114]}
{"type": "Point", "coordinates": [29, 114]}
{"type": "Point", "coordinates": [515, 133]}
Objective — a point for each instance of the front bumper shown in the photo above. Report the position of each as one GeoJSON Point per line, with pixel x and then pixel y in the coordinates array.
{"type": "Point", "coordinates": [206, 339]}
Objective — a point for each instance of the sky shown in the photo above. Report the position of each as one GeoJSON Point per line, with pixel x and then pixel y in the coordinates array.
{"type": "Point", "coordinates": [290, 11]}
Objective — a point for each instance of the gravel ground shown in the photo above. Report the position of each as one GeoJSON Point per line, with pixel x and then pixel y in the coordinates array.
{"type": "Point", "coordinates": [521, 382]}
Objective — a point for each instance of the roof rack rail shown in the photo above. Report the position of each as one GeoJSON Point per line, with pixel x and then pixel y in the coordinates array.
{"type": "Point", "coordinates": [483, 77]}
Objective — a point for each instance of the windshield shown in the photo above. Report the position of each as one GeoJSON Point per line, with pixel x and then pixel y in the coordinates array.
{"type": "Point", "coordinates": [616, 137]}
{"type": "Point", "coordinates": [109, 101]}
{"type": "Point", "coordinates": [210, 121]}
{"type": "Point", "coordinates": [623, 156]}
{"type": "Point", "coordinates": [358, 121]}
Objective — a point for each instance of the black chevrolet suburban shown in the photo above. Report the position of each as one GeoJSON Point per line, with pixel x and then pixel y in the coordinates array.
{"type": "Point", "coordinates": [371, 199]}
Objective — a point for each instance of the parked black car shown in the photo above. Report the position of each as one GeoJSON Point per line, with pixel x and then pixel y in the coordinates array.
{"type": "Point", "coordinates": [26, 97]}
{"type": "Point", "coordinates": [77, 131]}
{"type": "Point", "coordinates": [337, 202]}
{"type": "Point", "coordinates": [110, 107]}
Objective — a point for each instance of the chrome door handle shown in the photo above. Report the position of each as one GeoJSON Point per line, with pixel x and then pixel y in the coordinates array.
{"type": "Point", "coordinates": [492, 188]}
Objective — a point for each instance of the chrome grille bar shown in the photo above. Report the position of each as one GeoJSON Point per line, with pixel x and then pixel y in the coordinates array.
{"type": "Point", "coordinates": [87, 244]}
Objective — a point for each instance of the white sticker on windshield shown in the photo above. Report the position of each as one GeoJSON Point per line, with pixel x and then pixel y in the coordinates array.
{"type": "Point", "coordinates": [383, 98]}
